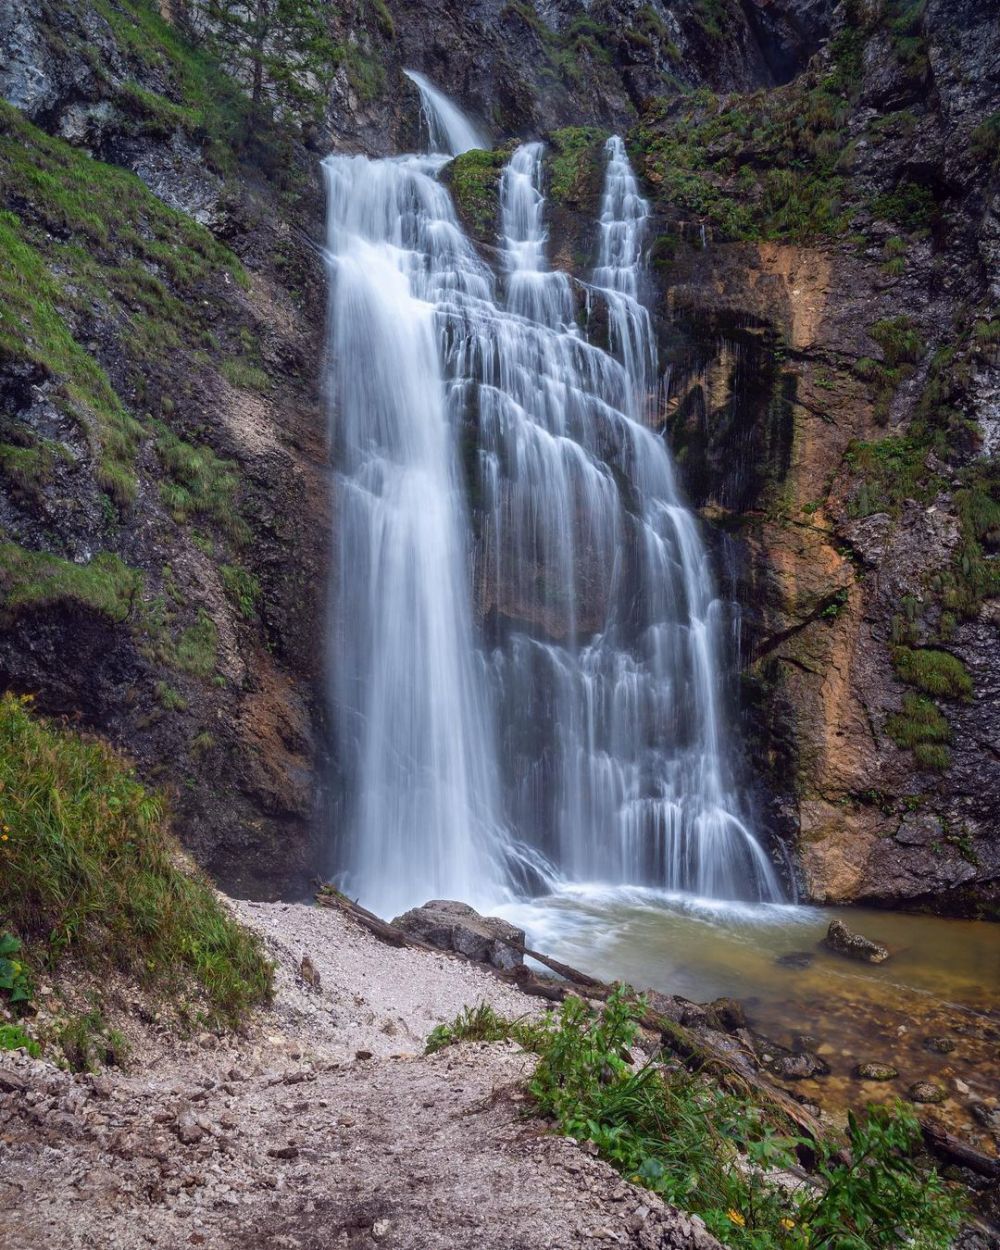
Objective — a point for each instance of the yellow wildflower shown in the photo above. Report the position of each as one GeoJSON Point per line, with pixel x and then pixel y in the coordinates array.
{"type": "Point", "coordinates": [787, 1224]}
{"type": "Point", "coordinates": [736, 1217]}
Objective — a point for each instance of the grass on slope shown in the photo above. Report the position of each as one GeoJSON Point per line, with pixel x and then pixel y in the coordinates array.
{"type": "Point", "coordinates": [89, 868]}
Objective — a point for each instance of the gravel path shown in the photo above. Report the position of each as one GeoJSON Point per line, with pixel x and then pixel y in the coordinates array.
{"type": "Point", "coordinates": [286, 1138]}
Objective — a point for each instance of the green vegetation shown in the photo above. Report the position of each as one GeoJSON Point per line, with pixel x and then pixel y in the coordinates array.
{"type": "Point", "coordinates": [936, 672]}
{"type": "Point", "coordinates": [242, 587]}
{"type": "Point", "coordinates": [86, 1042]}
{"type": "Point", "coordinates": [33, 579]}
{"type": "Point", "coordinates": [984, 143]}
{"type": "Point", "coordinates": [90, 869]}
{"type": "Point", "coordinates": [920, 727]}
{"type": "Point", "coordinates": [92, 234]}
{"type": "Point", "coordinates": [575, 163]}
{"type": "Point", "coordinates": [15, 983]}
{"type": "Point", "coordinates": [899, 339]}
{"type": "Point", "coordinates": [13, 1037]}
{"type": "Point", "coordinates": [281, 50]}
{"type": "Point", "coordinates": [708, 1150]}
{"type": "Point", "coordinates": [245, 374]}
{"type": "Point", "coordinates": [474, 181]}
{"type": "Point", "coordinates": [200, 484]}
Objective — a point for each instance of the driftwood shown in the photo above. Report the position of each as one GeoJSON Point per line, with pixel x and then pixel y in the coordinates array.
{"type": "Point", "coordinates": [953, 1150]}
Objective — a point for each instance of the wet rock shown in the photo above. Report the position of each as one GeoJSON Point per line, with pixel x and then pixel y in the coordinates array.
{"type": "Point", "coordinates": [800, 1067]}
{"type": "Point", "coordinates": [726, 1015]}
{"type": "Point", "coordinates": [987, 1116]}
{"type": "Point", "coordinates": [939, 1045]}
{"type": "Point", "coordinates": [452, 926]}
{"type": "Point", "coordinates": [926, 1091]}
{"type": "Point", "coordinates": [876, 1072]}
{"type": "Point", "coordinates": [795, 959]}
{"type": "Point", "coordinates": [841, 939]}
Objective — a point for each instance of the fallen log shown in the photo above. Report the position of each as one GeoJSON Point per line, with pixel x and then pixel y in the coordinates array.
{"type": "Point", "coordinates": [953, 1150]}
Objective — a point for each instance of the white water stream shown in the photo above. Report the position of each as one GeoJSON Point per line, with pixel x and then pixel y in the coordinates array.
{"type": "Point", "coordinates": [586, 742]}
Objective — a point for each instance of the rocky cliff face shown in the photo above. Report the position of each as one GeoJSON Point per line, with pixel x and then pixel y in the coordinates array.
{"type": "Point", "coordinates": [833, 403]}
{"type": "Point", "coordinates": [825, 180]}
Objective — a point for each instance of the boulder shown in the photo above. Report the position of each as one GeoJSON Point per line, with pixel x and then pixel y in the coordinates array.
{"type": "Point", "coordinates": [840, 938]}
{"type": "Point", "coordinates": [800, 1067]}
{"type": "Point", "coordinates": [927, 1091]}
{"type": "Point", "coordinates": [875, 1072]}
{"type": "Point", "coordinates": [460, 928]}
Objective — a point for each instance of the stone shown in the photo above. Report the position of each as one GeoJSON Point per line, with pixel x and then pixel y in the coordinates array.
{"type": "Point", "coordinates": [188, 1128]}
{"type": "Point", "coordinates": [800, 1067]}
{"type": "Point", "coordinates": [875, 1072]}
{"type": "Point", "coordinates": [926, 1091]}
{"type": "Point", "coordinates": [380, 1228]}
{"type": "Point", "coordinates": [726, 1015]}
{"type": "Point", "coordinates": [452, 926]}
{"type": "Point", "coordinates": [841, 939]}
{"type": "Point", "coordinates": [939, 1045]}
{"type": "Point", "coordinates": [795, 959]}
{"type": "Point", "coordinates": [309, 973]}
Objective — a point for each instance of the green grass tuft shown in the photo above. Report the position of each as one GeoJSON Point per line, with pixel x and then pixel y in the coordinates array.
{"type": "Point", "coordinates": [89, 869]}
{"type": "Point", "coordinates": [36, 579]}
{"type": "Point", "coordinates": [937, 672]}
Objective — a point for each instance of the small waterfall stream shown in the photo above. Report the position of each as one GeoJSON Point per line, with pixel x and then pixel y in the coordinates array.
{"type": "Point", "coordinates": [586, 742]}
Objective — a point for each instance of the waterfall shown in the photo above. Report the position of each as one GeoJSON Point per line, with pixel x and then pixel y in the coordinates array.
{"type": "Point", "coordinates": [586, 741]}
{"type": "Point", "coordinates": [449, 129]}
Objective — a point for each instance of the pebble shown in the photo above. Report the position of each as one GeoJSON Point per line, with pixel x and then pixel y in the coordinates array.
{"type": "Point", "coordinates": [927, 1091]}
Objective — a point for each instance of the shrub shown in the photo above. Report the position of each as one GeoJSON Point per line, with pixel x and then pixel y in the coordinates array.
{"type": "Point", "coordinates": [90, 868]}
{"type": "Point", "coordinates": [13, 1037]}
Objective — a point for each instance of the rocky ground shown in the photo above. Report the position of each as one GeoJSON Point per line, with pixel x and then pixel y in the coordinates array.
{"type": "Point", "coordinates": [325, 1125]}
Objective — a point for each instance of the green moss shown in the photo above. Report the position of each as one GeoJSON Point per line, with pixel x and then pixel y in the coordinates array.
{"type": "Point", "coordinates": [35, 579]}
{"type": "Point", "coordinates": [984, 142]}
{"type": "Point", "coordinates": [886, 473]}
{"type": "Point", "coordinates": [911, 205]}
{"type": "Point", "coordinates": [90, 868]}
{"type": "Point", "coordinates": [936, 672]}
{"type": "Point", "coordinates": [195, 649]}
{"type": "Point", "coordinates": [474, 181]}
{"type": "Point", "coordinates": [575, 163]}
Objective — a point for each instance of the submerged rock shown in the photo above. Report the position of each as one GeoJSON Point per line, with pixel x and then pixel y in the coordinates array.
{"type": "Point", "coordinates": [841, 939]}
{"type": "Point", "coordinates": [458, 927]}
{"type": "Point", "coordinates": [876, 1072]}
{"type": "Point", "coordinates": [800, 1067]}
{"type": "Point", "coordinates": [940, 1045]}
{"type": "Point", "coordinates": [795, 959]}
{"type": "Point", "coordinates": [927, 1091]}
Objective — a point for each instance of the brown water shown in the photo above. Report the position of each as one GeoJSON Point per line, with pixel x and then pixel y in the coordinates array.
{"type": "Point", "coordinates": [942, 980]}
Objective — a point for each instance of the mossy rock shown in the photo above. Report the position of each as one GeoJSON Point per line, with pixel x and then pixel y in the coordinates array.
{"type": "Point", "coordinates": [474, 182]}
{"type": "Point", "coordinates": [575, 167]}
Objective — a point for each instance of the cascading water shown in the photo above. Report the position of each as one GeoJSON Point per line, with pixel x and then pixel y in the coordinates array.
{"type": "Point", "coordinates": [589, 736]}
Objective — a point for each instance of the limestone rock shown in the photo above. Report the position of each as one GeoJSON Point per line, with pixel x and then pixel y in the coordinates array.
{"type": "Point", "coordinates": [841, 939]}
{"type": "Point", "coordinates": [452, 926]}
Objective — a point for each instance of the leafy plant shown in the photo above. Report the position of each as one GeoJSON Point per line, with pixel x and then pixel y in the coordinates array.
{"type": "Point", "coordinates": [14, 979]}
{"type": "Point", "coordinates": [712, 1151]}
{"type": "Point", "coordinates": [13, 1037]}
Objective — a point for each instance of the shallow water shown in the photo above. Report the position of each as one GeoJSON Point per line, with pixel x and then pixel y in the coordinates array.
{"type": "Point", "coordinates": [942, 980]}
